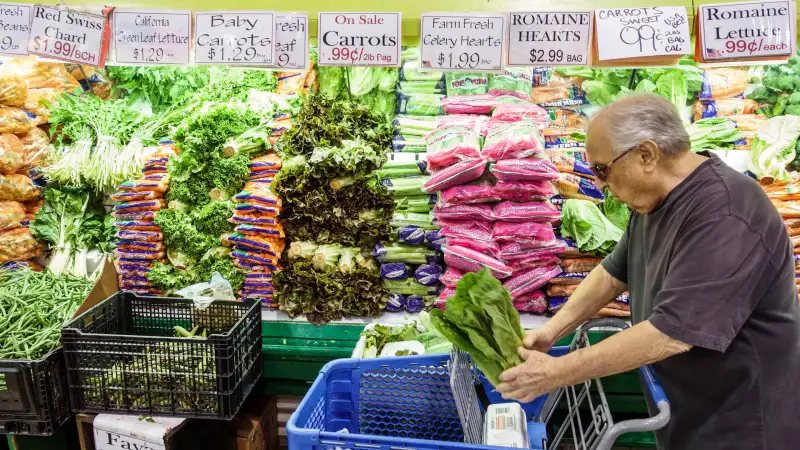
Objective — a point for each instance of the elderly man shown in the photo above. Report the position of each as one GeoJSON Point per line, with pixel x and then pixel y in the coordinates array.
{"type": "Point", "coordinates": [710, 271]}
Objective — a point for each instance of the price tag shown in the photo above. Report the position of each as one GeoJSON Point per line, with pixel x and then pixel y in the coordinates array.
{"type": "Point", "coordinates": [549, 38]}
{"type": "Point", "coordinates": [462, 42]}
{"type": "Point", "coordinates": [240, 37]}
{"type": "Point", "coordinates": [638, 32]}
{"type": "Point", "coordinates": [15, 24]}
{"type": "Point", "coordinates": [746, 30]}
{"type": "Point", "coordinates": [67, 35]}
{"type": "Point", "coordinates": [291, 41]}
{"type": "Point", "coordinates": [152, 37]}
{"type": "Point", "coordinates": [359, 39]}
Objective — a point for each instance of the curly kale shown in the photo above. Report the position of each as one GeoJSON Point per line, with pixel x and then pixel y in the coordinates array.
{"type": "Point", "coordinates": [323, 122]}
{"type": "Point", "coordinates": [327, 296]}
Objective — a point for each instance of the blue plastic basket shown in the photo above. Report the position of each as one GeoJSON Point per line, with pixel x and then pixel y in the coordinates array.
{"type": "Point", "coordinates": [407, 403]}
{"type": "Point", "coordinates": [383, 403]}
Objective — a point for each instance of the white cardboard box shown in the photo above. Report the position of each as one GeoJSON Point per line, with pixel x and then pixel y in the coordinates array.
{"type": "Point", "coordinates": [118, 432]}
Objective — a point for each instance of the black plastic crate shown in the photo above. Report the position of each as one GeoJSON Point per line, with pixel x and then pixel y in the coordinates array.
{"type": "Point", "coordinates": [33, 395]}
{"type": "Point", "coordinates": [122, 357]}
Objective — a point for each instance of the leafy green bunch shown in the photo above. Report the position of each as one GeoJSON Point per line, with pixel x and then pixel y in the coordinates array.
{"type": "Point", "coordinates": [481, 320]}
{"type": "Point", "coordinates": [331, 197]}
{"type": "Point", "coordinates": [328, 295]}
{"type": "Point", "coordinates": [161, 87]}
{"type": "Point", "coordinates": [71, 221]}
{"type": "Point", "coordinates": [602, 86]}
{"type": "Point", "coordinates": [326, 122]}
{"type": "Point", "coordinates": [375, 86]}
{"type": "Point", "coordinates": [202, 167]}
{"type": "Point", "coordinates": [229, 85]}
{"type": "Point", "coordinates": [777, 94]}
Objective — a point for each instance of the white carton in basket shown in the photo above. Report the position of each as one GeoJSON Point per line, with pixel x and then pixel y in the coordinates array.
{"type": "Point", "coordinates": [118, 432]}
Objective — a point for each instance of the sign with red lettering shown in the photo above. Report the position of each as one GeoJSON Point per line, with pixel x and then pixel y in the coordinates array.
{"type": "Point", "coordinates": [747, 30]}
{"type": "Point", "coordinates": [642, 32]}
{"type": "Point", "coordinates": [67, 35]}
{"type": "Point", "coordinates": [359, 39]}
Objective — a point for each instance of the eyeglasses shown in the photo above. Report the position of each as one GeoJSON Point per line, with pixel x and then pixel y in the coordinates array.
{"type": "Point", "coordinates": [601, 171]}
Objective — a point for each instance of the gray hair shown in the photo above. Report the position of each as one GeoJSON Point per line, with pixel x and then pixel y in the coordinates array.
{"type": "Point", "coordinates": [641, 117]}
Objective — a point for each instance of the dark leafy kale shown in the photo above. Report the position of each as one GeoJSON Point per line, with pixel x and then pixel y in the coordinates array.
{"type": "Point", "coordinates": [327, 296]}
{"type": "Point", "coordinates": [323, 122]}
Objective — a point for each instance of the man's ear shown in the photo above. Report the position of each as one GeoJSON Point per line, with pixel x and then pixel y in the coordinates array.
{"type": "Point", "coordinates": [649, 155]}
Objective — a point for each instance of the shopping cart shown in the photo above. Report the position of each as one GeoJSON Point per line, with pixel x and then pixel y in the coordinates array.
{"type": "Point", "coordinates": [436, 402]}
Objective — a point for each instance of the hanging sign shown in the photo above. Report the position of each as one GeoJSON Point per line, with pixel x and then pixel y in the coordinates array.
{"type": "Point", "coordinates": [463, 42]}
{"type": "Point", "coordinates": [359, 39]}
{"type": "Point", "coordinates": [747, 30]}
{"type": "Point", "coordinates": [291, 41]}
{"type": "Point", "coordinates": [234, 37]}
{"type": "Point", "coordinates": [15, 24]}
{"type": "Point", "coordinates": [67, 35]}
{"type": "Point", "coordinates": [152, 37]}
{"type": "Point", "coordinates": [641, 32]}
{"type": "Point", "coordinates": [549, 38]}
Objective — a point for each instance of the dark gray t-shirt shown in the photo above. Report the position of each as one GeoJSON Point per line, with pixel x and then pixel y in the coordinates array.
{"type": "Point", "coordinates": [713, 267]}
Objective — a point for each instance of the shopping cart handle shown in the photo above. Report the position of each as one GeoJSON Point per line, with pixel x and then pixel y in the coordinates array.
{"type": "Point", "coordinates": [653, 385]}
{"type": "Point", "coordinates": [606, 322]}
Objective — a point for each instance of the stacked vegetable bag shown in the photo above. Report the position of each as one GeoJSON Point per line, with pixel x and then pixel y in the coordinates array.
{"type": "Point", "coordinates": [334, 210]}
{"type": "Point", "coordinates": [500, 220]}
{"type": "Point", "coordinates": [786, 197]}
{"type": "Point", "coordinates": [410, 264]}
{"type": "Point", "coordinates": [140, 242]}
{"type": "Point", "coordinates": [258, 240]}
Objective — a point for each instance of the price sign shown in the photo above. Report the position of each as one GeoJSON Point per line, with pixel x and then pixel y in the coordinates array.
{"type": "Point", "coordinates": [240, 37]}
{"type": "Point", "coordinates": [549, 38]}
{"type": "Point", "coordinates": [745, 30]}
{"type": "Point", "coordinates": [15, 23]}
{"type": "Point", "coordinates": [67, 35]}
{"type": "Point", "coordinates": [152, 37]}
{"type": "Point", "coordinates": [462, 42]}
{"type": "Point", "coordinates": [359, 39]}
{"type": "Point", "coordinates": [291, 41]}
{"type": "Point", "coordinates": [639, 32]}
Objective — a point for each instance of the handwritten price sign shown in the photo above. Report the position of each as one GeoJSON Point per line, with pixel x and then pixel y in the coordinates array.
{"type": "Point", "coordinates": [462, 41]}
{"type": "Point", "coordinates": [234, 37]}
{"type": "Point", "coordinates": [291, 41]}
{"type": "Point", "coordinates": [15, 20]}
{"type": "Point", "coordinates": [67, 35]}
{"type": "Point", "coordinates": [359, 39]}
{"type": "Point", "coordinates": [152, 37]}
{"type": "Point", "coordinates": [639, 32]}
{"type": "Point", "coordinates": [745, 30]}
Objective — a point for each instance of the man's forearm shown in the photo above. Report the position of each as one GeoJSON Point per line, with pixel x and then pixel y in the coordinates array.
{"type": "Point", "coordinates": [635, 347]}
{"type": "Point", "coordinates": [594, 293]}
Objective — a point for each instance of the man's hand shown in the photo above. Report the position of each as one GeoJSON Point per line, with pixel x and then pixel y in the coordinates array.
{"type": "Point", "coordinates": [541, 339]}
{"type": "Point", "coordinates": [530, 379]}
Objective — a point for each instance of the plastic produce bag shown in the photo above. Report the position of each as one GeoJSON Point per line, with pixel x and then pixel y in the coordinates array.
{"type": "Point", "coordinates": [203, 294]}
{"type": "Point", "coordinates": [18, 245]}
{"type": "Point", "coordinates": [449, 145]}
{"type": "Point", "coordinates": [515, 81]}
{"type": "Point", "coordinates": [12, 154]}
{"type": "Point", "coordinates": [465, 83]}
{"type": "Point", "coordinates": [11, 215]}
{"type": "Point", "coordinates": [40, 75]}
{"type": "Point", "coordinates": [511, 140]}
{"type": "Point", "coordinates": [17, 188]}
{"type": "Point", "coordinates": [15, 120]}
{"type": "Point", "coordinates": [13, 88]}
{"type": "Point", "coordinates": [36, 103]}
{"type": "Point", "coordinates": [34, 146]}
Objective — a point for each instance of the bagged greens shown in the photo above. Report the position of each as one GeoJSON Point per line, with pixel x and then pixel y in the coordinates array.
{"type": "Point", "coordinates": [481, 320]}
